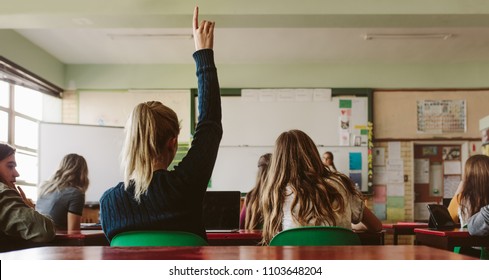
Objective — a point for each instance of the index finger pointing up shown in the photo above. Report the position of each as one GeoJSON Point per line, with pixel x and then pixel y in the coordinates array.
{"type": "Point", "coordinates": [196, 18]}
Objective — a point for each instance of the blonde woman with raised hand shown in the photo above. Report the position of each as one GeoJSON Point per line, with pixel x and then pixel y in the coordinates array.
{"type": "Point", "coordinates": [152, 197]}
{"type": "Point", "coordinates": [63, 196]}
{"type": "Point", "coordinates": [301, 191]}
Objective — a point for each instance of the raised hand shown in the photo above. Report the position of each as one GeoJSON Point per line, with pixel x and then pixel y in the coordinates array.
{"type": "Point", "coordinates": [203, 33]}
{"type": "Point", "coordinates": [26, 200]}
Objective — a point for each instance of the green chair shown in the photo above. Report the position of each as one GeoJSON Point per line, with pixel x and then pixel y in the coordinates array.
{"type": "Point", "coordinates": [157, 238]}
{"type": "Point", "coordinates": [316, 236]}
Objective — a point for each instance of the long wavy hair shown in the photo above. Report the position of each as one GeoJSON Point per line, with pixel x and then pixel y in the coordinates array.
{"type": "Point", "coordinates": [296, 164]}
{"type": "Point", "coordinates": [149, 128]}
{"type": "Point", "coordinates": [475, 192]}
{"type": "Point", "coordinates": [72, 173]}
{"type": "Point", "coordinates": [5, 151]}
{"type": "Point", "coordinates": [254, 216]}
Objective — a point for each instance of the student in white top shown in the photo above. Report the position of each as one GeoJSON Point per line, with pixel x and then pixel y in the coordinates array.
{"type": "Point", "coordinates": [300, 191]}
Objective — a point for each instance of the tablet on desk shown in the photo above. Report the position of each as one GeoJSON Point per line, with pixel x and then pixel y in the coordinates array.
{"type": "Point", "coordinates": [440, 217]}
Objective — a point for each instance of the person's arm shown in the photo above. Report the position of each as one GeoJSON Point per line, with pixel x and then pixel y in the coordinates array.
{"type": "Point", "coordinates": [453, 208]}
{"type": "Point", "coordinates": [196, 167]}
{"type": "Point", "coordinates": [73, 221]}
{"type": "Point", "coordinates": [18, 219]}
{"type": "Point", "coordinates": [242, 216]}
{"type": "Point", "coordinates": [478, 224]}
{"type": "Point", "coordinates": [76, 202]}
{"type": "Point", "coordinates": [370, 221]}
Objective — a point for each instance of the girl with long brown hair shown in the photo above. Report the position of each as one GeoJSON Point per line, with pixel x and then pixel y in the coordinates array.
{"type": "Point", "coordinates": [301, 191]}
{"type": "Point", "coordinates": [251, 216]}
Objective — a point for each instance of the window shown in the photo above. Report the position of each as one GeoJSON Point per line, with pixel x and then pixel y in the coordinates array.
{"type": "Point", "coordinates": [23, 102]}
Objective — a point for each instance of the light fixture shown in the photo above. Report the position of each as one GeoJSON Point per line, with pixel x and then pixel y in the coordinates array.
{"type": "Point", "coordinates": [123, 36]}
{"type": "Point", "coordinates": [400, 36]}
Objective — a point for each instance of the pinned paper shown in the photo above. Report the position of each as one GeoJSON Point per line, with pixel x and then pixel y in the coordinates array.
{"type": "Point", "coordinates": [355, 161]}
{"type": "Point", "coordinates": [357, 179]}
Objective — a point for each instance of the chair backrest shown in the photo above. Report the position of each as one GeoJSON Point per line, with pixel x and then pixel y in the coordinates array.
{"type": "Point", "coordinates": [157, 238]}
{"type": "Point", "coordinates": [316, 236]}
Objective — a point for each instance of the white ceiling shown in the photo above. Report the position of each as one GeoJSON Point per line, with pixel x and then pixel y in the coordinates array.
{"type": "Point", "coordinates": [262, 45]}
{"type": "Point", "coordinates": [253, 31]}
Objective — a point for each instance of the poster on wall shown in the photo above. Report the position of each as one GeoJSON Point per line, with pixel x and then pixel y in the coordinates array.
{"type": "Point", "coordinates": [441, 116]}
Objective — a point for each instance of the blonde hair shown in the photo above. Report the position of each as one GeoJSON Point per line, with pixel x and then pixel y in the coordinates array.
{"type": "Point", "coordinates": [296, 164]}
{"type": "Point", "coordinates": [475, 193]}
{"type": "Point", "coordinates": [72, 173]}
{"type": "Point", "coordinates": [254, 217]}
{"type": "Point", "coordinates": [149, 128]}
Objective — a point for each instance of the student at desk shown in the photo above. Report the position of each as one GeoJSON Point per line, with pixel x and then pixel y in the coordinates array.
{"type": "Point", "coordinates": [251, 216]}
{"type": "Point", "coordinates": [301, 191]}
{"type": "Point", "coordinates": [18, 219]}
{"type": "Point", "coordinates": [473, 192]}
{"type": "Point", "coordinates": [63, 196]}
{"type": "Point", "coordinates": [152, 197]}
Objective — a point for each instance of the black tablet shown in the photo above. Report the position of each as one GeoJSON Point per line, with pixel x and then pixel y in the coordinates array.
{"type": "Point", "coordinates": [440, 217]}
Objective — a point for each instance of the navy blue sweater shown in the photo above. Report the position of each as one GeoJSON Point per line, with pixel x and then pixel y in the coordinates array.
{"type": "Point", "coordinates": [174, 198]}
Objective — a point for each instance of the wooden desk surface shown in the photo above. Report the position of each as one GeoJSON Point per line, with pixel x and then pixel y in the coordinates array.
{"type": "Point", "coordinates": [456, 232]}
{"type": "Point", "coordinates": [401, 252]}
{"type": "Point", "coordinates": [403, 228]}
{"type": "Point", "coordinates": [448, 239]}
{"type": "Point", "coordinates": [405, 225]}
{"type": "Point", "coordinates": [79, 238]}
{"type": "Point", "coordinates": [253, 237]}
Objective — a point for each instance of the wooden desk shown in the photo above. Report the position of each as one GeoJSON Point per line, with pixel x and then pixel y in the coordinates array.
{"type": "Point", "coordinates": [371, 238]}
{"type": "Point", "coordinates": [448, 239]}
{"type": "Point", "coordinates": [403, 228]}
{"type": "Point", "coordinates": [391, 252]}
{"type": "Point", "coordinates": [79, 238]}
{"type": "Point", "coordinates": [240, 238]}
{"type": "Point", "coordinates": [253, 238]}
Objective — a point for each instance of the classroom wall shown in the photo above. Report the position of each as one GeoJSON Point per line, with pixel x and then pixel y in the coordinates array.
{"type": "Point", "coordinates": [318, 75]}
{"type": "Point", "coordinates": [17, 49]}
{"type": "Point", "coordinates": [395, 113]}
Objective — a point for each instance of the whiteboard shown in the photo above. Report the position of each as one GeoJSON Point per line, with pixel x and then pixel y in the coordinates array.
{"type": "Point", "coordinates": [99, 145]}
{"type": "Point", "coordinates": [253, 121]}
{"type": "Point", "coordinates": [112, 108]}
{"type": "Point", "coordinates": [236, 167]}
{"type": "Point", "coordinates": [258, 121]}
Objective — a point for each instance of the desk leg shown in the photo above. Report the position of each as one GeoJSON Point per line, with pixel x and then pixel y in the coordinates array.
{"type": "Point", "coordinates": [395, 237]}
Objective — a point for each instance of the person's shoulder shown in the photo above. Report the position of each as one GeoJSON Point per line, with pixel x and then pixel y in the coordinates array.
{"type": "Point", "coordinates": [3, 187]}
{"type": "Point", "coordinates": [113, 191]}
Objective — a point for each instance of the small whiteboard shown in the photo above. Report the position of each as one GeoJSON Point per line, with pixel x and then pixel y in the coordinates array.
{"type": "Point", "coordinates": [99, 145]}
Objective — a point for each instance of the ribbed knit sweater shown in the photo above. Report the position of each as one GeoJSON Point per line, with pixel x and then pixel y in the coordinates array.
{"type": "Point", "coordinates": [174, 198]}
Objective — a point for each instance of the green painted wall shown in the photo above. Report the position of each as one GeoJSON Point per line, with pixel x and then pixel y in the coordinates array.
{"type": "Point", "coordinates": [373, 75]}
{"type": "Point", "coordinates": [17, 49]}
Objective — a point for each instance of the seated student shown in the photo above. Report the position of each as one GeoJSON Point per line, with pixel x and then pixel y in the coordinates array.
{"type": "Point", "coordinates": [478, 224]}
{"type": "Point", "coordinates": [474, 189]}
{"type": "Point", "coordinates": [152, 197]}
{"type": "Point", "coordinates": [251, 217]}
{"type": "Point", "coordinates": [328, 160]}
{"type": "Point", "coordinates": [18, 219]}
{"type": "Point", "coordinates": [63, 196]}
{"type": "Point", "coordinates": [455, 203]}
{"type": "Point", "coordinates": [300, 191]}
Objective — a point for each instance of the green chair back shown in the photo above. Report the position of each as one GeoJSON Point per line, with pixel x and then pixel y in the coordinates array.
{"type": "Point", "coordinates": [157, 238]}
{"type": "Point", "coordinates": [316, 236]}
{"type": "Point", "coordinates": [484, 253]}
